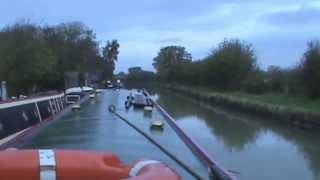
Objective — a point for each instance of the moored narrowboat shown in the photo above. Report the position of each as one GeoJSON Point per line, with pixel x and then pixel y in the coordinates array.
{"type": "Point", "coordinates": [17, 115]}
{"type": "Point", "coordinates": [140, 100]}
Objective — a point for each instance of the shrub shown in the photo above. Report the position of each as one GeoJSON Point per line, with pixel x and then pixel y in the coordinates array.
{"type": "Point", "coordinates": [229, 64]}
{"type": "Point", "coordinates": [310, 69]}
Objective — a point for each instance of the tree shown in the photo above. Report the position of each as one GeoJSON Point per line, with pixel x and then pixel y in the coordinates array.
{"type": "Point", "coordinates": [110, 56]}
{"type": "Point", "coordinates": [136, 75]}
{"type": "Point", "coordinates": [35, 58]}
{"type": "Point", "coordinates": [276, 78]}
{"type": "Point", "coordinates": [76, 48]}
{"type": "Point", "coordinates": [25, 58]}
{"type": "Point", "coordinates": [170, 59]}
{"type": "Point", "coordinates": [256, 82]}
{"type": "Point", "coordinates": [294, 84]}
{"type": "Point", "coordinates": [229, 64]}
{"type": "Point", "coordinates": [310, 69]}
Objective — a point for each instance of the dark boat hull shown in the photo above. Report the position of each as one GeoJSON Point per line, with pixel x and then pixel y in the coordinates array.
{"type": "Point", "coordinates": [135, 105]}
{"type": "Point", "coordinates": [19, 115]}
{"type": "Point", "coordinates": [141, 105]}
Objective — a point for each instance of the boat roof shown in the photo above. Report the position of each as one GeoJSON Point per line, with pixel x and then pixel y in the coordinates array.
{"type": "Point", "coordinates": [87, 88]}
{"type": "Point", "coordinates": [73, 90]}
{"type": "Point", "coordinates": [78, 89]}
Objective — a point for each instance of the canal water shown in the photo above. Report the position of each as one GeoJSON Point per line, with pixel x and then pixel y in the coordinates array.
{"type": "Point", "coordinates": [95, 128]}
{"type": "Point", "coordinates": [255, 148]}
{"type": "Point", "coordinates": [252, 148]}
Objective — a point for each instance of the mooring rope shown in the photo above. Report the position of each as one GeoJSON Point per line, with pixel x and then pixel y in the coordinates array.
{"type": "Point", "coordinates": [112, 109]}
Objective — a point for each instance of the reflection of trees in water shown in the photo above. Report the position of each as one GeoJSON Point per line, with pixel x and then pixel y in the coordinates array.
{"type": "Point", "coordinates": [238, 129]}
{"type": "Point", "coordinates": [307, 143]}
{"type": "Point", "coordinates": [313, 155]}
{"type": "Point", "coordinates": [234, 133]}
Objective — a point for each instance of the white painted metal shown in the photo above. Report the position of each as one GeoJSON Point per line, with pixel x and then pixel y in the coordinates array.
{"type": "Point", "coordinates": [74, 90]}
{"type": "Point", "coordinates": [148, 108]}
{"type": "Point", "coordinates": [58, 105]}
{"type": "Point", "coordinates": [61, 102]}
{"type": "Point", "coordinates": [86, 88]}
{"type": "Point", "coordinates": [76, 106]}
{"type": "Point", "coordinates": [137, 167]}
{"type": "Point", "coordinates": [38, 112]}
{"type": "Point", "coordinates": [72, 102]}
{"type": "Point", "coordinates": [47, 164]}
{"type": "Point", "coordinates": [54, 108]}
{"type": "Point", "coordinates": [11, 137]}
{"type": "Point", "coordinates": [51, 107]}
{"type": "Point", "coordinates": [55, 105]}
{"type": "Point", "coordinates": [157, 124]}
{"type": "Point", "coordinates": [28, 101]}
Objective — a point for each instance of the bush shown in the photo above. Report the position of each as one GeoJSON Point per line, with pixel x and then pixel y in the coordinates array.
{"type": "Point", "coordinates": [310, 69]}
{"type": "Point", "coordinates": [255, 82]}
{"type": "Point", "coordinates": [229, 64]}
{"type": "Point", "coordinates": [276, 78]}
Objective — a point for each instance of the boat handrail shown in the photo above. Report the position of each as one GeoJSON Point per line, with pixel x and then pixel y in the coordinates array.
{"type": "Point", "coordinates": [18, 102]}
{"type": "Point", "coordinates": [112, 109]}
{"type": "Point", "coordinates": [44, 95]}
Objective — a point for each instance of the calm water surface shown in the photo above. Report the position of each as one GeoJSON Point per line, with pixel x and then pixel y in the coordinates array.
{"type": "Point", "coordinates": [253, 148]}
{"type": "Point", "coordinates": [94, 128]}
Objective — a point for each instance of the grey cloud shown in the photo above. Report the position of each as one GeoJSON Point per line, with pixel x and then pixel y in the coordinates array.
{"type": "Point", "coordinates": [304, 16]}
{"type": "Point", "coordinates": [171, 40]}
{"type": "Point", "coordinates": [143, 26]}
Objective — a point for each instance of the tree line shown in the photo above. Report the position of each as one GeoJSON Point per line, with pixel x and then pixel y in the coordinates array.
{"type": "Point", "coordinates": [36, 58]}
{"type": "Point", "coordinates": [232, 66]}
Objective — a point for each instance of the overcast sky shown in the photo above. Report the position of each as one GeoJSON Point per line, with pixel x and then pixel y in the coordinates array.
{"type": "Point", "coordinates": [278, 29]}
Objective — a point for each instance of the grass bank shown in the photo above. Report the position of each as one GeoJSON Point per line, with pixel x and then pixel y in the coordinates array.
{"type": "Point", "coordinates": [299, 103]}
{"type": "Point", "coordinates": [297, 111]}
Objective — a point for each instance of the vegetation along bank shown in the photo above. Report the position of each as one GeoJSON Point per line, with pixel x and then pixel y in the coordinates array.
{"type": "Point", "coordinates": [284, 114]}
{"type": "Point", "coordinates": [231, 76]}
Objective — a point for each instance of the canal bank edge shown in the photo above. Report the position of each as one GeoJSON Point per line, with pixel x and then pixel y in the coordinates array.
{"type": "Point", "coordinates": [296, 118]}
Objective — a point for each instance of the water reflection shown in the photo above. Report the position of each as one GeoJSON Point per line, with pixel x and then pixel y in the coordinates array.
{"type": "Point", "coordinates": [261, 144]}
{"type": "Point", "coordinates": [307, 143]}
{"type": "Point", "coordinates": [222, 126]}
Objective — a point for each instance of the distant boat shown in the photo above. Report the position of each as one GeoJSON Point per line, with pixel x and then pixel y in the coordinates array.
{"type": "Point", "coordinates": [109, 85]}
{"type": "Point", "coordinates": [80, 90]}
{"type": "Point", "coordinates": [119, 84]}
{"type": "Point", "coordinates": [88, 89]}
{"type": "Point", "coordinates": [74, 90]}
{"type": "Point", "coordinates": [76, 93]}
{"type": "Point", "coordinates": [139, 100]}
